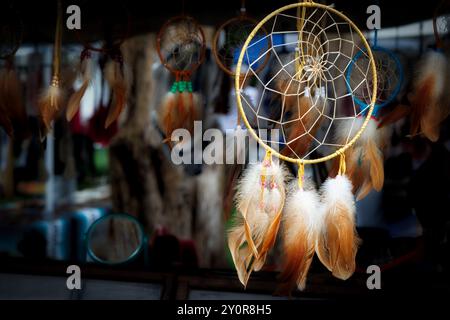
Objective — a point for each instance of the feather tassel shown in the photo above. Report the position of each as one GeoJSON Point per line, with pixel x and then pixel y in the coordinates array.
{"type": "Point", "coordinates": [429, 86]}
{"type": "Point", "coordinates": [50, 102]}
{"type": "Point", "coordinates": [301, 222]}
{"type": "Point", "coordinates": [338, 241]}
{"type": "Point", "coordinates": [115, 76]}
{"type": "Point", "coordinates": [75, 99]}
{"type": "Point", "coordinates": [365, 158]}
{"type": "Point", "coordinates": [259, 201]}
{"type": "Point", "coordinates": [179, 110]}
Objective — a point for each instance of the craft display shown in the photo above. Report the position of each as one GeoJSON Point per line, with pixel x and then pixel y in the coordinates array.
{"type": "Point", "coordinates": [181, 49]}
{"type": "Point", "coordinates": [305, 99]}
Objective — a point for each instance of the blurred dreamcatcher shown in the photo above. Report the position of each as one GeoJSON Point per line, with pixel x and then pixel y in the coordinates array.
{"type": "Point", "coordinates": [181, 49]}
{"type": "Point", "coordinates": [429, 103]}
{"type": "Point", "coordinates": [365, 158]}
{"type": "Point", "coordinates": [304, 105]}
{"type": "Point", "coordinates": [12, 109]}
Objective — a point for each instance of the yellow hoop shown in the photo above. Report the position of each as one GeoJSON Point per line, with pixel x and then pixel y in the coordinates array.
{"type": "Point", "coordinates": [372, 67]}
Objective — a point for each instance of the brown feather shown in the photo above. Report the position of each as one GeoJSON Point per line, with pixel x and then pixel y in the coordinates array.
{"type": "Point", "coordinates": [49, 104]}
{"type": "Point", "coordinates": [338, 242]}
{"type": "Point", "coordinates": [420, 101]}
{"type": "Point", "coordinates": [375, 159]}
{"type": "Point", "coordinates": [342, 242]}
{"type": "Point", "coordinates": [119, 90]}
{"type": "Point", "coordinates": [400, 111]}
{"type": "Point", "coordinates": [74, 101]}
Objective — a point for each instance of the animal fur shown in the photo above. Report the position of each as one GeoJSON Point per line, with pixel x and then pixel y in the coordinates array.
{"type": "Point", "coordinates": [12, 107]}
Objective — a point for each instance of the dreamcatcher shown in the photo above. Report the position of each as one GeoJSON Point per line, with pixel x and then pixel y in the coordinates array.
{"type": "Point", "coordinates": [51, 99]}
{"type": "Point", "coordinates": [365, 157]}
{"type": "Point", "coordinates": [428, 103]}
{"type": "Point", "coordinates": [113, 71]}
{"type": "Point", "coordinates": [430, 100]}
{"type": "Point", "coordinates": [181, 49]}
{"type": "Point", "coordinates": [305, 100]}
{"type": "Point", "coordinates": [227, 43]}
{"type": "Point", "coordinates": [12, 110]}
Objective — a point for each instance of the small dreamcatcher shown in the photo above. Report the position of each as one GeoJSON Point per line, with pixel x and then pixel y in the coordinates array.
{"type": "Point", "coordinates": [303, 103]}
{"type": "Point", "coordinates": [428, 105]}
{"type": "Point", "coordinates": [12, 109]}
{"type": "Point", "coordinates": [181, 49]}
{"type": "Point", "coordinates": [113, 71]}
{"type": "Point", "coordinates": [430, 100]}
{"type": "Point", "coordinates": [365, 157]}
{"type": "Point", "coordinates": [227, 44]}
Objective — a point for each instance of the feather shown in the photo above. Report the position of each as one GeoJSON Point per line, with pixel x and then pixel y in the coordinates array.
{"type": "Point", "coordinates": [259, 201]}
{"type": "Point", "coordinates": [114, 75]}
{"type": "Point", "coordinates": [50, 102]}
{"type": "Point", "coordinates": [338, 242]}
{"type": "Point", "coordinates": [400, 111]}
{"type": "Point", "coordinates": [301, 223]}
{"type": "Point", "coordinates": [428, 89]}
{"type": "Point", "coordinates": [179, 110]}
{"type": "Point", "coordinates": [75, 99]}
{"type": "Point", "coordinates": [374, 156]}
{"type": "Point", "coordinates": [365, 158]}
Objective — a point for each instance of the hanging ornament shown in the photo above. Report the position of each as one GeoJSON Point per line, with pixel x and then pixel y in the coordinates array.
{"type": "Point", "coordinates": [113, 72]}
{"type": "Point", "coordinates": [301, 223]}
{"type": "Point", "coordinates": [227, 43]}
{"type": "Point", "coordinates": [86, 74]}
{"type": "Point", "coordinates": [51, 99]}
{"type": "Point", "coordinates": [365, 157]}
{"type": "Point", "coordinates": [259, 201]}
{"type": "Point", "coordinates": [300, 98]}
{"type": "Point", "coordinates": [338, 241]}
{"type": "Point", "coordinates": [181, 49]}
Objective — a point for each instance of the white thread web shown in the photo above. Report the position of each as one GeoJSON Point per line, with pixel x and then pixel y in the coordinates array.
{"type": "Point", "coordinates": [304, 90]}
{"type": "Point", "coordinates": [231, 37]}
{"type": "Point", "coordinates": [181, 44]}
{"type": "Point", "coordinates": [388, 77]}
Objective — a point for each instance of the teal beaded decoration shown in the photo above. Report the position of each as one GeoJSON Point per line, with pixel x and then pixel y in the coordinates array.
{"type": "Point", "coordinates": [181, 86]}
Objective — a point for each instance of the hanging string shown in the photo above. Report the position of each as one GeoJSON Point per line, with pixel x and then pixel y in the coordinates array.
{"type": "Point", "coordinates": [57, 49]}
{"type": "Point", "coordinates": [342, 165]}
{"type": "Point", "coordinates": [301, 175]}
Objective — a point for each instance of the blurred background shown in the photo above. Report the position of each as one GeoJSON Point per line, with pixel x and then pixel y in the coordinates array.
{"type": "Point", "coordinates": [111, 200]}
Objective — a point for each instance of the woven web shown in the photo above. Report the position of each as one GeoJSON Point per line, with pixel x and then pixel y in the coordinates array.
{"type": "Point", "coordinates": [182, 44]}
{"type": "Point", "coordinates": [304, 87]}
{"type": "Point", "coordinates": [231, 38]}
{"type": "Point", "coordinates": [388, 77]}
